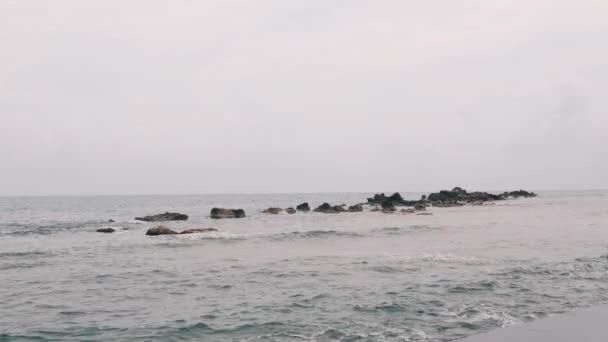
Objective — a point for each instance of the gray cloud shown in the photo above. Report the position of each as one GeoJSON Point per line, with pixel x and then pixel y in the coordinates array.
{"type": "Point", "coordinates": [273, 96]}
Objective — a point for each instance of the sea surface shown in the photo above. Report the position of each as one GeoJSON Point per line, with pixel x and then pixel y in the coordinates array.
{"type": "Point", "coordinates": [305, 277]}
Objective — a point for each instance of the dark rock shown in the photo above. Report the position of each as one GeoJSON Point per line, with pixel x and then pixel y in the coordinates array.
{"type": "Point", "coordinates": [355, 208]}
{"type": "Point", "coordinates": [111, 221]}
{"type": "Point", "coordinates": [394, 199]}
{"type": "Point", "coordinates": [388, 206]}
{"type": "Point", "coordinates": [221, 213]}
{"type": "Point", "coordinates": [290, 211]}
{"type": "Point", "coordinates": [420, 206]}
{"type": "Point", "coordinates": [198, 230]}
{"type": "Point", "coordinates": [425, 214]}
{"type": "Point", "coordinates": [339, 208]}
{"type": "Point", "coordinates": [423, 198]}
{"type": "Point", "coordinates": [273, 211]}
{"type": "Point", "coordinates": [163, 217]}
{"type": "Point", "coordinates": [329, 209]}
{"type": "Point", "coordinates": [447, 204]}
{"type": "Point", "coordinates": [460, 195]}
{"type": "Point", "coordinates": [160, 230]}
{"type": "Point", "coordinates": [521, 193]}
{"type": "Point", "coordinates": [106, 230]}
{"type": "Point", "coordinates": [303, 207]}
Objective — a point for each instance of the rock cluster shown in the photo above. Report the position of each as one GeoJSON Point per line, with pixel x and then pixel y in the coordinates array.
{"type": "Point", "coordinates": [327, 208]}
{"type": "Point", "coordinates": [163, 217]}
{"type": "Point", "coordinates": [222, 213]}
{"type": "Point", "coordinates": [279, 211]}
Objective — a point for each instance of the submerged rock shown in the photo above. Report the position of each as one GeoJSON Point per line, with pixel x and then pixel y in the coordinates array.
{"type": "Point", "coordinates": [290, 211]}
{"type": "Point", "coordinates": [198, 230]}
{"type": "Point", "coordinates": [160, 230]}
{"type": "Point", "coordinates": [425, 214]}
{"type": "Point", "coordinates": [111, 221]}
{"type": "Point", "coordinates": [303, 207]}
{"type": "Point", "coordinates": [163, 217]}
{"type": "Point", "coordinates": [408, 211]}
{"type": "Point", "coordinates": [420, 206]}
{"type": "Point", "coordinates": [106, 230]}
{"type": "Point", "coordinates": [222, 213]}
{"type": "Point", "coordinates": [273, 211]}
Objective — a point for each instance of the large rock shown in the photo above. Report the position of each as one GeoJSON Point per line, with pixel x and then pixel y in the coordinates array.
{"type": "Point", "coordinates": [160, 230]}
{"type": "Point", "coordinates": [460, 195]}
{"type": "Point", "coordinates": [394, 199]}
{"type": "Point", "coordinates": [198, 230]}
{"type": "Point", "coordinates": [303, 207]}
{"type": "Point", "coordinates": [355, 208]}
{"type": "Point", "coordinates": [106, 230]}
{"type": "Point", "coordinates": [329, 209]}
{"type": "Point", "coordinates": [222, 213]}
{"type": "Point", "coordinates": [163, 217]}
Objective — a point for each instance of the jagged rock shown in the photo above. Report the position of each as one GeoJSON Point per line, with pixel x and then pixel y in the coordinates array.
{"type": "Point", "coordinates": [163, 217]}
{"type": "Point", "coordinates": [198, 230]}
{"type": "Point", "coordinates": [395, 199]}
{"type": "Point", "coordinates": [460, 195]}
{"type": "Point", "coordinates": [303, 207]}
{"type": "Point", "coordinates": [290, 211]}
{"type": "Point", "coordinates": [355, 208]}
{"type": "Point", "coordinates": [329, 209]}
{"type": "Point", "coordinates": [160, 230]}
{"type": "Point", "coordinates": [106, 230]}
{"type": "Point", "coordinates": [273, 211]}
{"type": "Point", "coordinates": [222, 213]}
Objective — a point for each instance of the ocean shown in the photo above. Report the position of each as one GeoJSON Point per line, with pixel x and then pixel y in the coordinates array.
{"type": "Point", "coordinates": [363, 276]}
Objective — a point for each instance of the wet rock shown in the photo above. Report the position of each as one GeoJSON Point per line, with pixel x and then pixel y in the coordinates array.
{"type": "Point", "coordinates": [160, 230]}
{"type": "Point", "coordinates": [423, 198]}
{"type": "Point", "coordinates": [303, 207]}
{"type": "Point", "coordinates": [355, 208]}
{"type": "Point", "coordinates": [520, 193]}
{"type": "Point", "coordinates": [163, 217]}
{"type": "Point", "coordinates": [458, 194]}
{"type": "Point", "coordinates": [425, 214]}
{"type": "Point", "coordinates": [388, 206]}
{"type": "Point", "coordinates": [106, 230]}
{"type": "Point", "coordinates": [198, 230]}
{"type": "Point", "coordinates": [420, 207]}
{"type": "Point", "coordinates": [408, 211]}
{"type": "Point", "coordinates": [329, 209]}
{"type": "Point", "coordinates": [111, 221]}
{"type": "Point", "coordinates": [290, 211]}
{"type": "Point", "coordinates": [273, 211]}
{"type": "Point", "coordinates": [395, 199]}
{"type": "Point", "coordinates": [222, 213]}
{"type": "Point", "coordinates": [447, 204]}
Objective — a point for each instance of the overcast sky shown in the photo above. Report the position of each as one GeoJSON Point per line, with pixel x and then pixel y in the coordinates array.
{"type": "Point", "coordinates": [172, 97]}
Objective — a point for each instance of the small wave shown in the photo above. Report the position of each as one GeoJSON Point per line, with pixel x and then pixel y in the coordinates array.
{"type": "Point", "coordinates": [312, 234]}
{"type": "Point", "coordinates": [24, 254]}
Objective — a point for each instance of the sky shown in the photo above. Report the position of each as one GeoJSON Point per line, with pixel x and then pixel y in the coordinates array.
{"type": "Point", "coordinates": [274, 96]}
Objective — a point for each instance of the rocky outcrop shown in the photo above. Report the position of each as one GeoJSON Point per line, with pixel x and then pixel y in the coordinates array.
{"type": "Point", "coordinates": [222, 213]}
{"type": "Point", "coordinates": [460, 195]}
{"type": "Point", "coordinates": [519, 193]}
{"type": "Point", "coordinates": [327, 208]}
{"type": "Point", "coordinates": [355, 208]}
{"type": "Point", "coordinates": [106, 230]}
{"type": "Point", "coordinates": [303, 207]}
{"type": "Point", "coordinates": [394, 199]}
{"type": "Point", "coordinates": [198, 230]}
{"type": "Point", "coordinates": [160, 230]}
{"type": "Point", "coordinates": [163, 217]}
